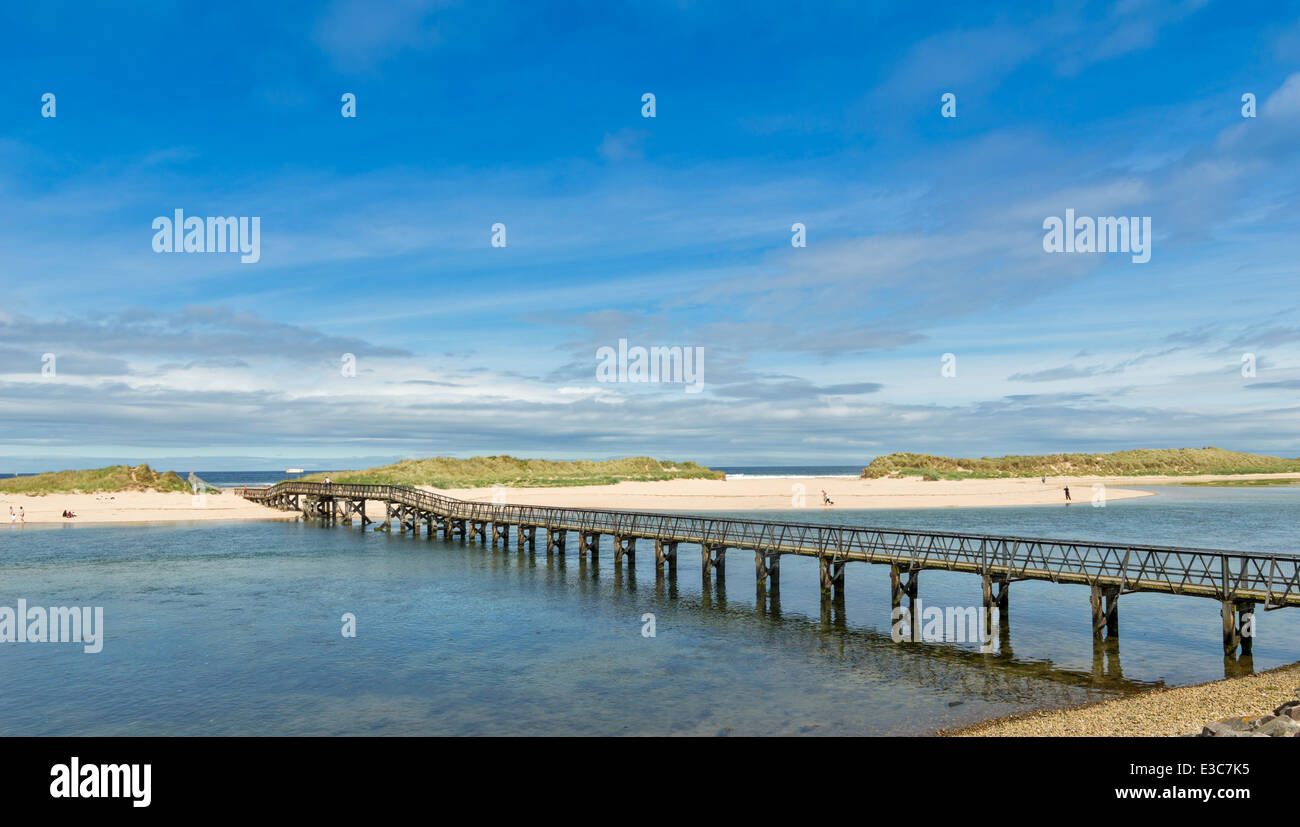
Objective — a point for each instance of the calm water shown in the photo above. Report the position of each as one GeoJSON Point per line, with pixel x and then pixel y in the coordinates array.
{"type": "Point", "coordinates": [235, 629]}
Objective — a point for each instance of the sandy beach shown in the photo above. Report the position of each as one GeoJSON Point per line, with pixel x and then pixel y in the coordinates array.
{"type": "Point", "coordinates": [785, 493]}
{"type": "Point", "coordinates": [135, 507]}
{"type": "Point", "coordinates": [744, 494]}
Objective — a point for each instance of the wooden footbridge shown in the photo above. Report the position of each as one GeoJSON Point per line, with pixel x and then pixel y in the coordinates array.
{"type": "Point", "coordinates": [1240, 581]}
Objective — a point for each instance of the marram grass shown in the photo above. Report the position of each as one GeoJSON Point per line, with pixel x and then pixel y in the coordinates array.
{"type": "Point", "coordinates": [96, 480]}
{"type": "Point", "coordinates": [1157, 462]}
{"type": "Point", "coordinates": [481, 472]}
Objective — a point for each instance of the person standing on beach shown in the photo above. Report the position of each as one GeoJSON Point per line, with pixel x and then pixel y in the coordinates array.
{"type": "Point", "coordinates": [13, 518]}
{"type": "Point", "coordinates": [22, 516]}
{"type": "Point", "coordinates": [1067, 493]}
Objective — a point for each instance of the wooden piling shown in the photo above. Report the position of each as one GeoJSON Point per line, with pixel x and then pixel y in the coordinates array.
{"type": "Point", "coordinates": [526, 536]}
{"type": "Point", "coordinates": [666, 553]}
{"type": "Point", "coordinates": [624, 546]}
{"type": "Point", "coordinates": [767, 569]}
{"type": "Point", "coordinates": [713, 558]}
{"type": "Point", "coordinates": [555, 539]}
{"type": "Point", "coordinates": [1105, 611]}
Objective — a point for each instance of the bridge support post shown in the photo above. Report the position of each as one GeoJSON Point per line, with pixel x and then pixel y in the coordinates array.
{"type": "Point", "coordinates": [1105, 611]}
{"type": "Point", "coordinates": [354, 508]}
{"type": "Point", "coordinates": [589, 542]}
{"type": "Point", "coordinates": [666, 553]}
{"type": "Point", "coordinates": [713, 558]}
{"type": "Point", "coordinates": [526, 535]}
{"type": "Point", "coordinates": [1001, 598]}
{"type": "Point", "coordinates": [900, 588]}
{"type": "Point", "coordinates": [501, 531]}
{"type": "Point", "coordinates": [478, 531]}
{"type": "Point", "coordinates": [624, 547]}
{"type": "Point", "coordinates": [555, 538]}
{"type": "Point", "coordinates": [832, 575]}
{"type": "Point", "coordinates": [767, 569]}
{"type": "Point", "coordinates": [1238, 627]}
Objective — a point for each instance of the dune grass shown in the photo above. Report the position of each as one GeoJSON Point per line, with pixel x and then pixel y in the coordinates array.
{"type": "Point", "coordinates": [1168, 462]}
{"type": "Point", "coordinates": [96, 480]}
{"type": "Point", "coordinates": [479, 472]}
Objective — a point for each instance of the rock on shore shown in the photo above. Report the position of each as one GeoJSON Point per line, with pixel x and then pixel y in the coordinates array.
{"type": "Point", "coordinates": [1283, 723]}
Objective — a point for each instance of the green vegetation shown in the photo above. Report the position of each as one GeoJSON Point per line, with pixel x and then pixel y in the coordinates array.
{"type": "Point", "coordinates": [1172, 462]}
{"type": "Point", "coordinates": [479, 472]}
{"type": "Point", "coordinates": [112, 478]}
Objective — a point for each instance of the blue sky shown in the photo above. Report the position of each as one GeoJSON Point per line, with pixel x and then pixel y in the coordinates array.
{"type": "Point", "coordinates": [924, 233]}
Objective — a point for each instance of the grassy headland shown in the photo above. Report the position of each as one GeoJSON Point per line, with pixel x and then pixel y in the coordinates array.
{"type": "Point", "coordinates": [94, 481]}
{"type": "Point", "coordinates": [481, 472]}
{"type": "Point", "coordinates": [1141, 463]}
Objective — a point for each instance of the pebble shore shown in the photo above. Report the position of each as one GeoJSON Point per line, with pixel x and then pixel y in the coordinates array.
{"type": "Point", "coordinates": [1184, 710]}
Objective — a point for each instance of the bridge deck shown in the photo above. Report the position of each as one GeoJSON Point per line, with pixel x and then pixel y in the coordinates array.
{"type": "Point", "coordinates": [1271, 579]}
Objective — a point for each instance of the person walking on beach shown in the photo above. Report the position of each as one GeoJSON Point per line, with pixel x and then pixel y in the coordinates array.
{"type": "Point", "coordinates": [1067, 493]}
{"type": "Point", "coordinates": [826, 500]}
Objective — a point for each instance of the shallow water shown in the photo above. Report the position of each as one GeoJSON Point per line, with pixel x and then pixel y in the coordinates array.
{"type": "Point", "coordinates": [235, 629]}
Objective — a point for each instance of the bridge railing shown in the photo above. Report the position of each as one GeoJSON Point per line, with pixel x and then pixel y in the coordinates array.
{"type": "Point", "coordinates": [1224, 574]}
